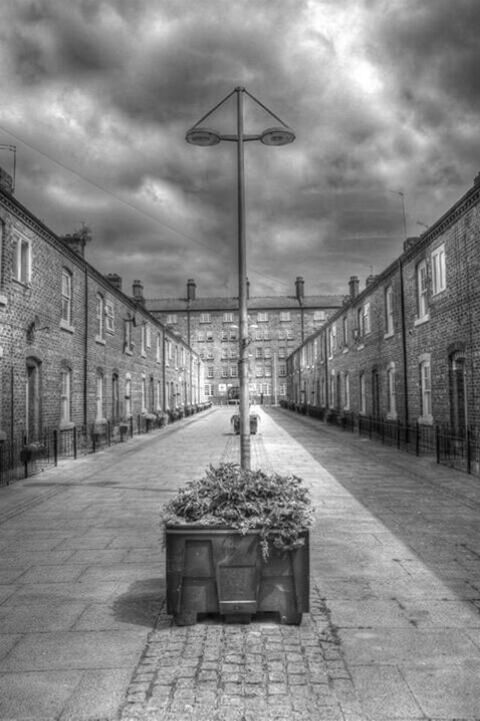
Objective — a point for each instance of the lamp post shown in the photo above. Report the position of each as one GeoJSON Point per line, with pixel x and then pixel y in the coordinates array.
{"type": "Point", "coordinates": [279, 135]}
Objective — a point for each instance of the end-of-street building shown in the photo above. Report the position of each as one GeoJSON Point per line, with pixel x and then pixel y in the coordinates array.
{"type": "Point", "coordinates": [277, 325]}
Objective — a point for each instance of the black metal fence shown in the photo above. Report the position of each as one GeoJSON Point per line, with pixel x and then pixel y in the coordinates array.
{"type": "Point", "coordinates": [458, 450]}
{"type": "Point", "coordinates": [20, 458]}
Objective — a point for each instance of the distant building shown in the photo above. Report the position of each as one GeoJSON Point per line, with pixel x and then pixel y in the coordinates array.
{"type": "Point", "coordinates": [277, 325]}
{"type": "Point", "coordinates": [406, 347]}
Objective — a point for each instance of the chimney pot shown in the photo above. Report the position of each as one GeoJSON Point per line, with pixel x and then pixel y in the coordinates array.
{"type": "Point", "coordinates": [191, 289]}
{"type": "Point", "coordinates": [114, 280]}
{"type": "Point", "coordinates": [353, 285]}
{"type": "Point", "coordinates": [409, 243]}
{"type": "Point", "coordinates": [137, 288]}
{"type": "Point", "coordinates": [299, 287]}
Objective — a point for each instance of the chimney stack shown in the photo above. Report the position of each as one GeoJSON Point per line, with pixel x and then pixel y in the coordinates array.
{"type": "Point", "coordinates": [114, 280]}
{"type": "Point", "coordinates": [78, 240]}
{"type": "Point", "coordinates": [353, 285]}
{"type": "Point", "coordinates": [137, 289]}
{"type": "Point", "coordinates": [409, 243]}
{"type": "Point", "coordinates": [299, 288]}
{"type": "Point", "coordinates": [6, 181]}
{"type": "Point", "coordinates": [371, 279]}
{"type": "Point", "coordinates": [191, 289]}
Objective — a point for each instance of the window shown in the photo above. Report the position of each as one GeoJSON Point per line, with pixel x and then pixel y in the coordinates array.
{"type": "Point", "coordinates": [224, 335]}
{"type": "Point", "coordinates": [208, 389]}
{"type": "Point", "coordinates": [128, 396]}
{"type": "Point", "coordinates": [258, 371]}
{"type": "Point", "coordinates": [366, 318]}
{"type": "Point", "coordinates": [363, 394]}
{"type": "Point", "coordinates": [115, 399]}
{"type": "Point", "coordinates": [282, 369]}
{"type": "Point", "coordinates": [285, 316]}
{"type": "Point", "coordinates": [205, 318]}
{"type": "Point", "coordinates": [258, 352]}
{"type": "Point", "coordinates": [290, 335]}
{"type": "Point", "coordinates": [233, 352]}
{"type": "Point", "coordinates": [127, 334]}
{"type": "Point", "coordinates": [360, 330]}
{"type": "Point", "coordinates": [345, 330]}
{"type": "Point", "coordinates": [319, 316]}
{"type": "Point", "coordinates": [425, 390]}
{"type": "Point", "coordinates": [200, 336]}
{"type": "Point", "coordinates": [391, 397]}
{"type": "Point", "coordinates": [332, 340]}
{"type": "Point", "coordinates": [109, 316]}
{"type": "Point", "coordinates": [148, 336]}
{"type": "Point", "coordinates": [65, 396]}
{"type": "Point", "coordinates": [266, 334]}
{"type": "Point", "coordinates": [210, 335]}
{"type": "Point", "coordinates": [258, 335]}
{"type": "Point", "coordinates": [282, 353]}
{"type": "Point", "coordinates": [143, 399]}
{"type": "Point", "coordinates": [262, 317]}
{"type": "Point", "coordinates": [233, 371]}
{"type": "Point", "coordinates": [172, 319]}
{"type": "Point", "coordinates": [228, 317]}
{"type": "Point", "coordinates": [438, 270]}
{"type": "Point", "coordinates": [233, 335]}
{"type": "Point", "coordinates": [282, 389]}
{"type": "Point", "coordinates": [267, 352]}
{"type": "Point", "coordinates": [224, 353]}
{"type": "Point", "coordinates": [389, 310]}
{"type": "Point", "coordinates": [224, 371]}
{"type": "Point", "coordinates": [422, 286]}
{"type": "Point", "coordinates": [22, 260]}
{"type": "Point", "coordinates": [158, 351]}
{"type": "Point", "coordinates": [99, 396]}
{"type": "Point", "coordinates": [99, 318]}
{"type": "Point", "coordinates": [347, 392]}
{"type": "Point", "coordinates": [210, 372]}
{"type": "Point", "coordinates": [159, 396]}
{"type": "Point", "coordinates": [268, 371]}
{"type": "Point", "coordinates": [66, 296]}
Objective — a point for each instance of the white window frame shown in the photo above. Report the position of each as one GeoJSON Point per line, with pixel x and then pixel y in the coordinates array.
{"type": "Point", "coordinates": [262, 317]}
{"type": "Point", "coordinates": [228, 317]}
{"type": "Point", "coordinates": [439, 280]}
{"type": "Point", "coordinates": [391, 392]}
{"type": "Point", "coordinates": [128, 396]}
{"type": "Point", "coordinates": [65, 396]}
{"type": "Point", "coordinates": [205, 318]}
{"type": "Point", "coordinates": [67, 291]}
{"type": "Point", "coordinates": [99, 396]}
{"type": "Point", "coordinates": [109, 316]}
{"type": "Point", "coordinates": [347, 391]}
{"type": "Point", "coordinates": [100, 317]}
{"type": "Point", "coordinates": [389, 327]}
{"type": "Point", "coordinates": [318, 316]}
{"type": "Point", "coordinates": [363, 393]}
{"type": "Point", "coordinates": [22, 258]}
{"type": "Point", "coordinates": [285, 316]}
{"type": "Point", "coordinates": [425, 372]}
{"type": "Point", "coordinates": [172, 319]}
{"type": "Point", "coordinates": [366, 319]}
{"type": "Point", "coordinates": [421, 276]}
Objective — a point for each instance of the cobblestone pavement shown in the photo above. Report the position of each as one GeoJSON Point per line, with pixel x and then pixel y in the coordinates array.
{"type": "Point", "coordinates": [261, 671]}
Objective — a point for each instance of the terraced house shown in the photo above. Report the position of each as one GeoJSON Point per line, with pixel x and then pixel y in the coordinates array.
{"type": "Point", "coordinates": [75, 350]}
{"type": "Point", "coordinates": [406, 348]}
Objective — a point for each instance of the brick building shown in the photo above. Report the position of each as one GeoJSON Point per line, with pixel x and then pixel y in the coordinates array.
{"type": "Point", "coordinates": [74, 349]}
{"type": "Point", "coordinates": [407, 347]}
{"type": "Point", "coordinates": [277, 325]}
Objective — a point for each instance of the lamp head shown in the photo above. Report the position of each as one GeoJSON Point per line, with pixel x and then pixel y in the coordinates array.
{"type": "Point", "coordinates": [277, 136]}
{"type": "Point", "coordinates": [202, 136]}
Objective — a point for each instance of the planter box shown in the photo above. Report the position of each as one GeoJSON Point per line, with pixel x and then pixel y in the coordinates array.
{"type": "Point", "coordinates": [222, 571]}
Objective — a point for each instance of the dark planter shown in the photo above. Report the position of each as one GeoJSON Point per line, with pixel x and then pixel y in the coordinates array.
{"type": "Point", "coordinates": [253, 423]}
{"type": "Point", "coordinates": [222, 571]}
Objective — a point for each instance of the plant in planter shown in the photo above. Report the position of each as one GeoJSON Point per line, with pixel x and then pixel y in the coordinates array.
{"type": "Point", "coordinates": [253, 420]}
{"type": "Point", "coordinates": [237, 544]}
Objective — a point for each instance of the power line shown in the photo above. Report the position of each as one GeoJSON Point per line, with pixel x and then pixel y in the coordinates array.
{"type": "Point", "coordinates": [126, 202]}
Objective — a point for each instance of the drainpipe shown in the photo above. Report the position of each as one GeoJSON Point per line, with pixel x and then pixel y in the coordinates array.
{"type": "Point", "coordinates": [85, 358]}
{"type": "Point", "coordinates": [404, 344]}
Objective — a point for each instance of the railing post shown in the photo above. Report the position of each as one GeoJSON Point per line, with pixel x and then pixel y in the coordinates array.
{"type": "Point", "coordinates": [94, 441]}
{"type": "Point", "coordinates": [437, 442]}
{"type": "Point", "coordinates": [469, 451]}
{"type": "Point", "coordinates": [417, 439]}
{"type": "Point", "coordinates": [109, 437]}
{"type": "Point", "coordinates": [55, 447]}
{"type": "Point", "coordinates": [131, 426]}
{"type": "Point", "coordinates": [398, 432]}
{"type": "Point", "coordinates": [74, 443]}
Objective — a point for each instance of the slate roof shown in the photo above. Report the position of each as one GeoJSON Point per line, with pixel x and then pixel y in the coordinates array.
{"type": "Point", "coordinates": [254, 303]}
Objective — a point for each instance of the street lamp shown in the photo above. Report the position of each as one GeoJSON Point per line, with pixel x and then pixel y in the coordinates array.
{"type": "Point", "coordinates": [205, 136]}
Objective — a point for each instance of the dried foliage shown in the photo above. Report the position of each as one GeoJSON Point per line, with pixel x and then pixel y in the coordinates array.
{"type": "Point", "coordinates": [279, 507]}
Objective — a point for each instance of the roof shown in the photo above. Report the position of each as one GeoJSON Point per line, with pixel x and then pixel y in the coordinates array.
{"type": "Point", "coordinates": [167, 305]}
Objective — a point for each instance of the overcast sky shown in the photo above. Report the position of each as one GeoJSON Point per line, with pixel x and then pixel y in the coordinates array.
{"type": "Point", "coordinates": [383, 96]}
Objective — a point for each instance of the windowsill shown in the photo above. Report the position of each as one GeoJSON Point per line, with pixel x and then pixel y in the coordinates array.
{"type": "Point", "coordinates": [390, 334]}
{"type": "Point", "coordinates": [361, 346]}
{"type": "Point", "coordinates": [65, 325]}
{"type": "Point", "coordinates": [345, 350]}
{"type": "Point", "coordinates": [422, 320]}
{"type": "Point", "coordinates": [3, 299]}
{"type": "Point", "coordinates": [425, 420]}
{"type": "Point", "coordinates": [143, 354]}
{"type": "Point", "coordinates": [66, 425]}
{"type": "Point", "coordinates": [128, 351]}
{"type": "Point", "coordinates": [439, 292]}
{"type": "Point", "coordinates": [22, 283]}
{"type": "Point", "coordinates": [100, 340]}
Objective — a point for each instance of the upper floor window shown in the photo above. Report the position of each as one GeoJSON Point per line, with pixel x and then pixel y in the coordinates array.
{"type": "Point", "coordinates": [345, 330]}
{"type": "Point", "coordinates": [363, 394]}
{"type": "Point", "coordinates": [22, 258]}
{"type": "Point", "coordinates": [285, 315]}
{"type": "Point", "coordinates": [158, 351]}
{"type": "Point", "coordinates": [389, 310]}
{"type": "Point", "coordinates": [99, 317]}
{"type": "Point", "coordinates": [391, 395]}
{"type": "Point", "coordinates": [200, 336]}
{"type": "Point", "coordinates": [127, 334]}
{"type": "Point", "coordinates": [422, 290]}
{"type": "Point", "coordinates": [172, 319]}
{"type": "Point", "coordinates": [128, 396]}
{"type": "Point", "coordinates": [109, 316]}
{"type": "Point", "coordinates": [66, 296]}
{"type": "Point", "coordinates": [366, 318]}
{"type": "Point", "coordinates": [205, 318]}
{"type": "Point", "coordinates": [347, 392]}
{"type": "Point", "coordinates": [99, 396]}
{"type": "Point", "coordinates": [228, 317]}
{"type": "Point", "coordinates": [210, 335]}
{"type": "Point", "coordinates": [319, 315]}
{"type": "Point", "coordinates": [262, 317]}
{"type": "Point", "coordinates": [438, 270]}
